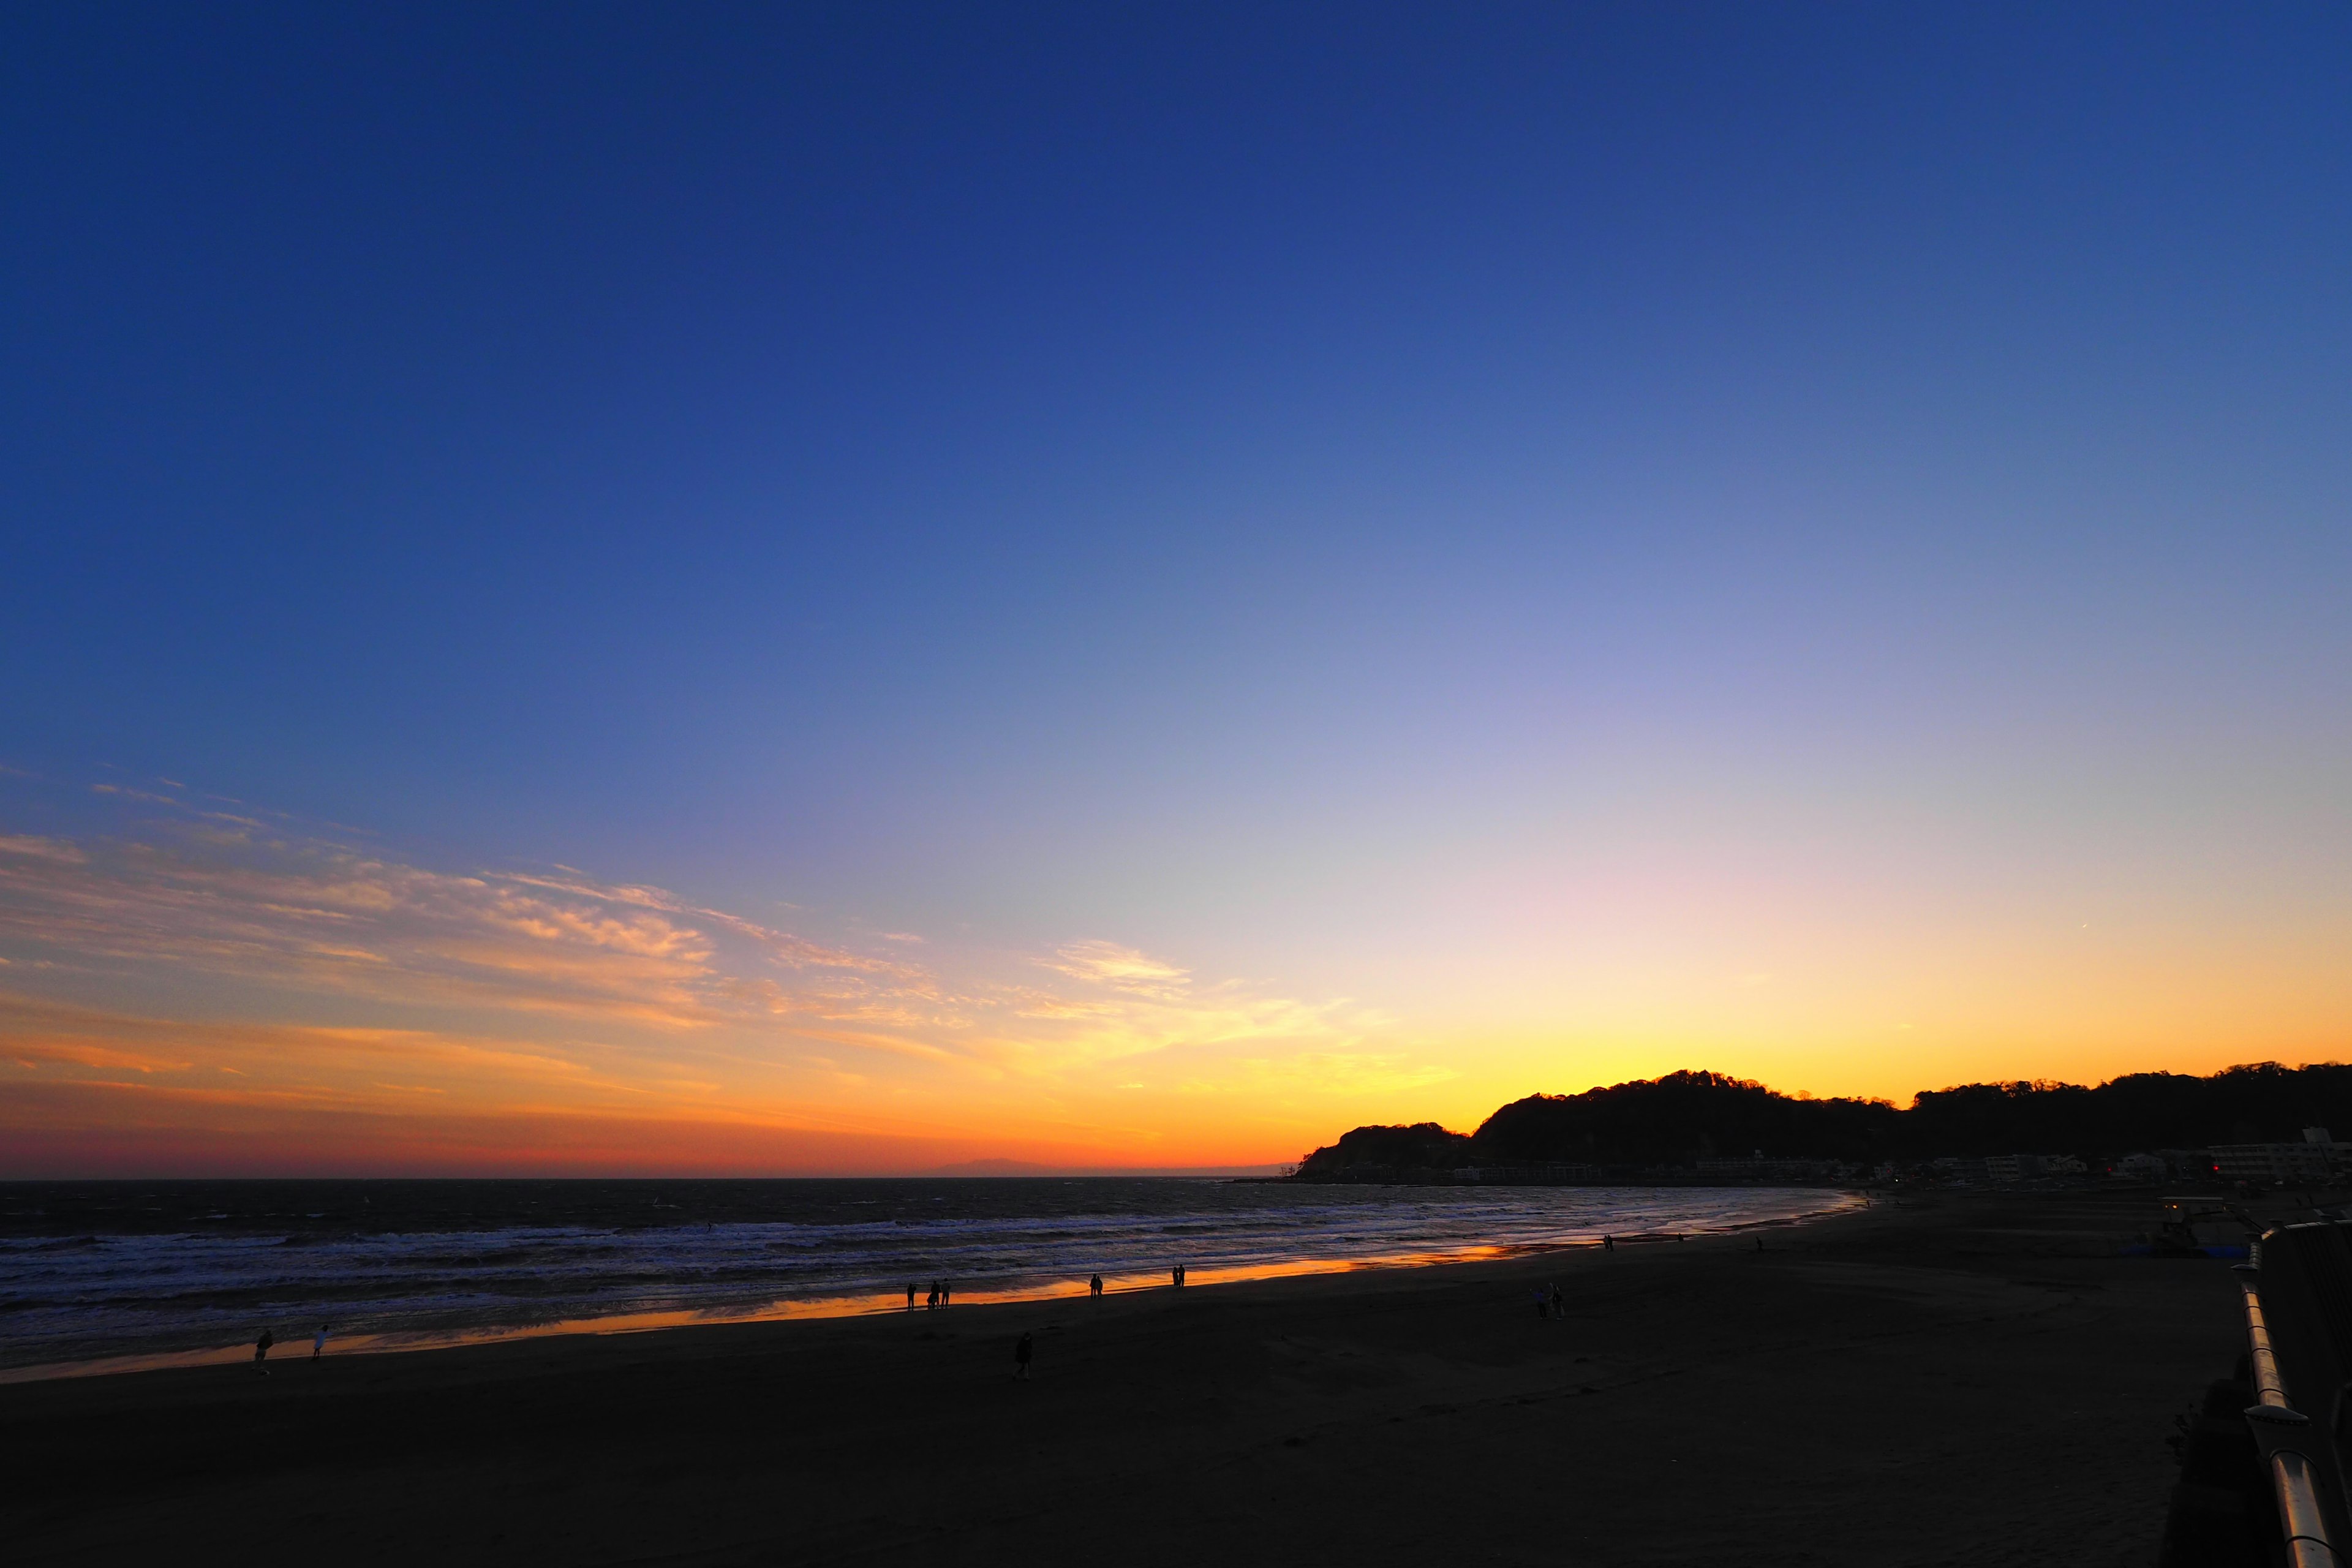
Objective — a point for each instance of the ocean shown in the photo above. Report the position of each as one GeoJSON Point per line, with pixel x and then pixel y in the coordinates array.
{"type": "Point", "coordinates": [97, 1276]}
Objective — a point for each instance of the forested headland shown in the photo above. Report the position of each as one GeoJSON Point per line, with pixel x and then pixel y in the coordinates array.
{"type": "Point", "coordinates": [1685, 1118]}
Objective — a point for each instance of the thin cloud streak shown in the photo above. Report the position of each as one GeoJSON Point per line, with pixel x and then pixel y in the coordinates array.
{"type": "Point", "coordinates": [284, 971]}
{"type": "Point", "coordinates": [321, 917]}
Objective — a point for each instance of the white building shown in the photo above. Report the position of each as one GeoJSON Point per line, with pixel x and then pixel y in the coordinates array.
{"type": "Point", "coordinates": [2315, 1161]}
{"type": "Point", "coordinates": [2018, 1167]}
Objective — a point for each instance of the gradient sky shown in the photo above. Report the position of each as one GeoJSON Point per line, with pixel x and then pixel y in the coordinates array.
{"type": "Point", "coordinates": [843, 588]}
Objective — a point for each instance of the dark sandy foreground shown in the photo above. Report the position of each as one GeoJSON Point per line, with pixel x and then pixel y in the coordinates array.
{"type": "Point", "coordinates": [1981, 1381]}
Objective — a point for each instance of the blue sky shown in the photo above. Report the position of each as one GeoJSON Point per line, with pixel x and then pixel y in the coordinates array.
{"type": "Point", "coordinates": [1448, 509]}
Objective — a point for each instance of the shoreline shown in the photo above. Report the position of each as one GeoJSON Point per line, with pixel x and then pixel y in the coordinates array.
{"type": "Point", "coordinates": [882, 1304]}
{"type": "Point", "coordinates": [1967, 1380]}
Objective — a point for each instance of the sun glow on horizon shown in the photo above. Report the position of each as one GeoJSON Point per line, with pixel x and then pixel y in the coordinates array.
{"type": "Point", "coordinates": [209, 993]}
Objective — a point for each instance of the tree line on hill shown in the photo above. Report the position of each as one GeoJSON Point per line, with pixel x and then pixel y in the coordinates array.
{"type": "Point", "coordinates": [1686, 1117]}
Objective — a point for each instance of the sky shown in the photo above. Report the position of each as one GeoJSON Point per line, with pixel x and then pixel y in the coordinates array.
{"type": "Point", "coordinates": [843, 589]}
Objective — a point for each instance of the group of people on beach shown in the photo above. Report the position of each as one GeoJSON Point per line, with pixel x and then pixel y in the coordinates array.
{"type": "Point", "coordinates": [1175, 1276]}
{"type": "Point", "coordinates": [261, 1346]}
{"type": "Point", "coordinates": [1550, 1303]}
{"type": "Point", "coordinates": [941, 1291]}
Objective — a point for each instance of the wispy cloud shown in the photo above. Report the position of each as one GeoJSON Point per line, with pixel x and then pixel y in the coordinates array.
{"type": "Point", "coordinates": [322, 918]}
{"type": "Point", "coordinates": [319, 916]}
{"type": "Point", "coordinates": [52, 849]}
{"type": "Point", "coordinates": [1121, 968]}
{"type": "Point", "coordinates": [277, 969]}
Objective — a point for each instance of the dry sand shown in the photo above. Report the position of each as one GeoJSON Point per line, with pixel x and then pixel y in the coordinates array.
{"type": "Point", "coordinates": [1973, 1380]}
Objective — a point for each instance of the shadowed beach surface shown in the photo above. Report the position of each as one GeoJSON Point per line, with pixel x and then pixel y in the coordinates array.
{"type": "Point", "coordinates": [1975, 1380]}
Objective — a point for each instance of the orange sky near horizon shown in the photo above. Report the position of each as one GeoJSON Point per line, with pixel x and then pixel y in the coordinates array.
{"type": "Point", "coordinates": [215, 997]}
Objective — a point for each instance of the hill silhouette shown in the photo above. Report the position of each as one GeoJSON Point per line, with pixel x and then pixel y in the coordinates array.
{"type": "Point", "coordinates": [1685, 1117]}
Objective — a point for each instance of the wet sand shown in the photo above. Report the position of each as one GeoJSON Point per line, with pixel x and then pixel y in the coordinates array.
{"type": "Point", "coordinates": [1973, 1380]}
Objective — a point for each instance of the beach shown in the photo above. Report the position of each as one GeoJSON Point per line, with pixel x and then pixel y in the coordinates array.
{"type": "Point", "coordinates": [135, 1275]}
{"type": "Point", "coordinates": [1975, 1379]}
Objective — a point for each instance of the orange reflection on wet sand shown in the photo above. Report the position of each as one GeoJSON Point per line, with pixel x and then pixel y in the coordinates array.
{"type": "Point", "coordinates": [296, 1347]}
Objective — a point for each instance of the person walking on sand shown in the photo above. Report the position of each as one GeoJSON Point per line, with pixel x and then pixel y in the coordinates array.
{"type": "Point", "coordinates": [1540, 1313]}
{"type": "Point", "coordinates": [1021, 1354]}
{"type": "Point", "coordinates": [1095, 1287]}
{"type": "Point", "coordinates": [1607, 1244]}
{"type": "Point", "coordinates": [947, 1292]}
{"type": "Point", "coordinates": [1558, 1303]}
{"type": "Point", "coordinates": [261, 1351]}
{"type": "Point", "coordinates": [910, 1295]}
{"type": "Point", "coordinates": [931, 1302]}
{"type": "Point", "coordinates": [318, 1342]}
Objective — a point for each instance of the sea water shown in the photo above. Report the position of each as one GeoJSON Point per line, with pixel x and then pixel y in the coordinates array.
{"type": "Point", "coordinates": [96, 1275]}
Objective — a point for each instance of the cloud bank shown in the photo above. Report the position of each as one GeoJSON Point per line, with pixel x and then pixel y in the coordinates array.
{"type": "Point", "coordinates": [196, 984]}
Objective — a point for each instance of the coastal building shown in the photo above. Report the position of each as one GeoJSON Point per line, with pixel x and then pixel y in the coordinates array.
{"type": "Point", "coordinates": [2024, 1167]}
{"type": "Point", "coordinates": [1760, 1169]}
{"type": "Point", "coordinates": [2315, 1161]}
{"type": "Point", "coordinates": [2007, 1167]}
{"type": "Point", "coordinates": [1552, 1176]}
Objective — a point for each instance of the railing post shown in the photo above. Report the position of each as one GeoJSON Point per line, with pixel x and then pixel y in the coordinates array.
{"type": "Point", "coordinates": [2280, 1432]}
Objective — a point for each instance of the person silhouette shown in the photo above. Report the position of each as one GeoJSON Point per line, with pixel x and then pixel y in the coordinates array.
{"type": "Point", "coordinates": [1558, 1303]}
{"type": "Point", "coordinates": [947, 1292]}
{"type": "Point", "coordinates": [910, 1295]}
{"type": "Point", "coordinates": [1095, 1287]}
{"type": "Point", "coordinates": [931, 1302]}
{"type": "Point", "coordinates": [261, 1351]}
{"type": "Point", "coordinates": [1021, 1354]}
{"type": "Point", "coordinates": [1540, 1312]}
{"type": "Point", "coordinates": [1607, 1244]}
{"type": "Point", "coordinates": [318, 1342]}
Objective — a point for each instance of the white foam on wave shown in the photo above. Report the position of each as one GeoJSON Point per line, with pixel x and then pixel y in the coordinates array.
{"type": "Point", "coordinates": [195, 1294]}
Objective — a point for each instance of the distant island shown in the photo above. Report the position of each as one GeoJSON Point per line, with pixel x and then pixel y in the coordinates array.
{"type": "Point", "coordinates": [1696, 1125]}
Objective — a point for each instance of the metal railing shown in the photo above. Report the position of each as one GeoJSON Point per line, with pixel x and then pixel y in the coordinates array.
{"type": "Point", "coordinates": [2279, 1430]}
{"type": "Point", "coordinates": [2267, 1386]}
